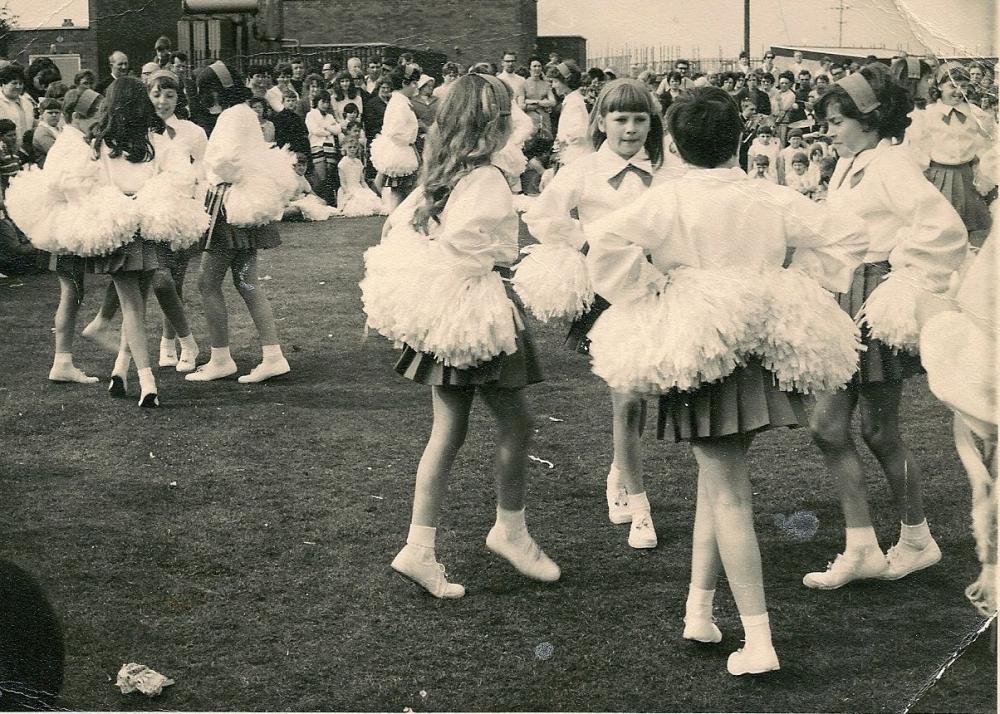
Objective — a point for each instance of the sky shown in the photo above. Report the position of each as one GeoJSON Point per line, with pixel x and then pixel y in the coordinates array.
{"type": "Point", "coordinates": [943, 26]}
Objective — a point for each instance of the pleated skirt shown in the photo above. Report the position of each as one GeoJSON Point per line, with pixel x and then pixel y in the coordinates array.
{"type": "Point", "coordinates": [139, 255]}
{"type": "Point", "coordinates": [403, 184]}
{"type": "Point", "coordinates": [956, 183]}
{"type": "Point", "coordinates": [509, 371]}
{"type": "Point", "coordinates": [66, 263]}
{"type": "Point", "coordinates": [577, 339]}
{"type": "Point", "coordinates": [222, 236]}
{"type": "Point", "coordinates": [745, 402]}
{"type": "Point", "coordinates": [879, 363]}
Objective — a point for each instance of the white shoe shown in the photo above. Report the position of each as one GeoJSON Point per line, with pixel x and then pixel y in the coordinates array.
{"type": "Point", "coordinates": [423, 569]}
{"type": "Point", "coordinates": [71, 374]}
{"type": "Point", "coordinates": [847, 567]}
{"type": "Point", "coordinates": [904, 559]}
{"type": "Point", "coordinates": [642, 534]}
{"type": "Point", "coordinates": [266, 370]}
{"type": "Point", "coordinates": [168, 356]}
{"type": "Point", "coordinates": [188, 360]}
{"type": "Point", "coordinates": [618, 512]}
{"type": "Point", "coordinates": [701, 629]}
{"type": "Point", "coordinates": [523, 553]}
{"type": "Point", "coordinates": [212, 370]}
{"type": "Point", "coordinates": [104, 336]}
{"type": "Point", "coordinates": [743, 662]}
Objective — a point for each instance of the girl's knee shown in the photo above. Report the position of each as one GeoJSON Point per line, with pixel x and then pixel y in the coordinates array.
{"type": "Point", "coordinates": [162, 280]}
{"type": "Point", "coordinates": [827, 434]}
{"type": "Point", "coordinates": [879, 438]}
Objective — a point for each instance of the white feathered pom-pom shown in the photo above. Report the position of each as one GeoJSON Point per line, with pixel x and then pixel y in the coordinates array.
{"type": "Point", "coordinates": [511, 159]}
{"type": "Point", "coordinates": [391, 158]}
{"type": "Point", "coordinates": [808, 342]}
{"type": "Point", "coordinates": [269, 182]}
{"type": "Point", "coordinates": [390, 286]}
{"type": "Point", "coordinates": [30, 204]}
{"type": "Point", "coordinates": [552, 281]}
{"type": "Point", "coordinates": [314, 209]}
{"type": "Point", "coordinates": [107, 220]}
{"type": "Point", "coordinates": [890, 312]}
{"type": "Point", "coordinates": [169, 215]}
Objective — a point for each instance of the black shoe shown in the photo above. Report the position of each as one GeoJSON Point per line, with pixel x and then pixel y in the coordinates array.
{"type": "Point", "coordinates": [117, 387]}
{"type": "Point", "coordinates": [150, 400]}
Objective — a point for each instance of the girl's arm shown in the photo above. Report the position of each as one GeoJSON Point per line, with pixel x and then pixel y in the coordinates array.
{"type": "Point", "coordinates": [573, 124]}
{"type": "Point", "coordinates": [549, 218]}
{"type": "Point", "coordinates": [235, 133]}
{"type": "Point", "coordinates": [618, 243]}
{"type": "Point", "coordinates": [918, 138]}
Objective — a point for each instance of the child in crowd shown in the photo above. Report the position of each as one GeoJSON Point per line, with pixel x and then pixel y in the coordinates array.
{"type": "Point", "coordinates": [796, 145]}
{"type": "Point", "coordinates": [355, 197]}
{"type": "Point", "coordinates": [766, 145]}
{"type": "Point", "coordinates": [290, 131]}
{"type": "Point", "coordinates": [689, 305]}
{"type": "Point", "coordinates": [798, 176]}
{"type": "Point", "coordinates": [260, 108]}
{"type": "Point", "coordinates": [761, 168]}
{"type": "Point", "coordinates": [323, 131]}
{"type": "Point", "coordinates": [47, 129]}
{"type": "Point", "coordinates": [305, 204]}
{"type": "Point", "coordinates": [626, 134]}
{"type": "Point", "coordinates": [10, 160]}
{"type": "Point", "coordinates": [460, 348]}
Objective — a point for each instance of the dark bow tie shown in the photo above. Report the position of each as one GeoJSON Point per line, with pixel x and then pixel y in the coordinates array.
{"type": "Point", "coordinates": [616, 180]}
{"type": "Point", "coordinates": [957, 114]}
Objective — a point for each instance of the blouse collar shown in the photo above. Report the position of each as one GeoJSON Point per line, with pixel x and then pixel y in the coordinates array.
{"type": "Point", "coordinates": [611, 164]}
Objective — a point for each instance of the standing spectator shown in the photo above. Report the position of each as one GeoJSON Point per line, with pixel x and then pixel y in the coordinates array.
{"type": "Point", "coordinates": [298, 73]}
{"type": "Point", "coordinates": [14, 105]}
{"type": "Point", "coordinates": [786, 105]}
{"type": "Point", "coordinates": [275, 96]}
{"type": "Point", "coordinates": [553, 61]}
{"type": "Point", "coordinates": [837, 72]}
{"type": "Point", "coordinates": [797, 64]}
{"type": "Point", "coordinates": [449, 74]}
{"type": "Point", "coordinates": [743, 63]}
{"type": "Point", "coordinates": [375, 106]}
{"type": "Point", "coordinates": [289, 128]}
{"type": "Point", "coordinates": [752, 90]}
{"type": "Point", "coordinates": [512, 80]}
{"type": "Point", "coordinates": [634, 70]}
{"type": "Point", "coordinates": [258, 80]}
{"type": "Point", "coordinates": [118, 63]}
{"type": "Point", "coordinates": [824, 68]}
{"type": "Point", "coordinates": [188, 94]}
{"type": "Point", "coordinates": [673, 81]}
{"type": "Point", "coordinates": [84, 79]}
{"type": "Point", "coordinates": [681, 67]}
{"type": "Point", "coordinates": [147, 71]}
{"type": "Point", "coordinates": [311, 86]}
{"type": "Point", "coordinates": [50, 111]}
{"type": "Point", "coordinates": [768, 64]}
{"type": "Point", "coordinates": [752, 121]}
{"type": "Point", "coordinates": [373, 76]}
{"type": "Point", "coordinates": [355, 71]}
{"type": "Point", "coordinates": [164, 52]}
{"type": "Point", "coordinates": [329, 72]}
{"type": "Point", "coordinates": [345, 92]}
{"type": "Point", "coordinates": [324, 147]}
{"type": "Point", "coordinates": [424, 105]}
{"type": "Point", "coordinates": [538, 103]}
{"type": "Point", "coordinates": [572, 131]}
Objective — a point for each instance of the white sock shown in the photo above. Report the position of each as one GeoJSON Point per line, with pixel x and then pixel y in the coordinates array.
{"type": "Point", "coordinates": [917, 536]}
{"type": "Point", "coordinates": [272, 353]}
{"type": "Point", "coordinates": [861, 539]}
{"type": "Point", "coordinates": [168, 347]}
{"type": "Point", "coordinates": [147, 382]}
{"type": "Point", "coordinates": [638, 503]}
{"type": "Point", "coordinates": [756, 631]}
{"type": "Point", "coordinates": [699, 603]}
{"type": "Point", "coordinates": [188, 344]}
{"type": "Point", "coordinates": [122, 363]}
{"type": "Point", "coordinates": [221, 355]}
{"type": "Point", "coordinates": [422, 536]}
{"type": "Point", "coordinates": [63, 359]}
{"type": "Point", "coordinates": [614, 479]}
{"type": "Point", "coordinates": [511, 521]}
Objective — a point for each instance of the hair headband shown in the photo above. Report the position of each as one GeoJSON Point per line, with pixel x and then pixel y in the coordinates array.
{"type": "Point", "coordinates": [498, 88]}
{"type": "Point", "coordinates": [564, 69]}
{"type": "Point", "coordinates": [860, 92]}
{"type": "Point", "coordinates": [950, 71]}
{"type": "Point", "coordinates": [160, 73]}
{"type": "Point", "coordinates": [222, 72]}
{"type": "Point", "coordinates": [88, 98]}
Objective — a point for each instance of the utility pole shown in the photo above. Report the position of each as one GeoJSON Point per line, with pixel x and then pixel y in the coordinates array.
{"type": "Point", "coordinates": [840, 21]}
{"type": "Point", "coordinates": [746, 27]}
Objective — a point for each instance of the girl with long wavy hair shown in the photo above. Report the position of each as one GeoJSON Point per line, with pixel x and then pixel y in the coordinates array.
{"type": "Point", "coordinates": [454, 236]}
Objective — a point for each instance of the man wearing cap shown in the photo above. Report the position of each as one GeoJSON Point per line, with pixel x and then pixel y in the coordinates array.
{"type": "Point", "coordinates": [163, 50]}
{"type": "Point", "coordinates": [118, 62]}
{"type": "Point", "coordinates": [514, 81]}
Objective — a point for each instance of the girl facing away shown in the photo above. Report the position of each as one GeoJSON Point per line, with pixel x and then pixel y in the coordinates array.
{"type": "Point", "coordinates": [455, 235]}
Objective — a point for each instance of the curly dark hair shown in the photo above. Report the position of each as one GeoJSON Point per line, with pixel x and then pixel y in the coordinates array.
{"type": "Point", "coordinates": [889, 120]}
{"type": "Point", "coordinates": [127, 117]}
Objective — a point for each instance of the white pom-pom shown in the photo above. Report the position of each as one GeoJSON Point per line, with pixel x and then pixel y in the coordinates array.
{"type": "Point", "coordinates": [552, 281]}
{"type": "Point", "coordinates": [390, 286]}
{"type": "Point", "coordinates": [808, 342]}
{"type": "Point", "coordinates": [890, 312]}
{"type": "Point", "coordinates": [314, 209]}
{"type": "Point", "coordinates": [169, 215]}
{"type": "Point", "coordinates": [107, 220]}
{"type": "Point", "coordinates": [253, 201]}
{"type": "Point", "coordinates": [391, 158]}
{"type": "Point", "coordinates": [31, 204]}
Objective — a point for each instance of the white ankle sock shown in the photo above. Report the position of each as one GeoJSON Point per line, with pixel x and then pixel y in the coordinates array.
{"type": "Point", "coordinates": [271, 353]}
{"type": "Point", "coordinates": [917, 536]}
{"type": "Point", "coordinates": [638, 503]}
{"type": "Point", "coordinates": [512, 521]}
{"type": "Point", "coordinates": [147, 382]}
{"type": "Point", "coordinates": [614, 479]}
{"type": "Point", "coordinates": [422, 536]}
{"type": "Point", "coordinates": [63, 359]}
{"type": "Point", "coordinates": [861, 539]}
{"type": "Point", "coordinates": [699, 603]}
{"type": "Point", "coordinates": [756, 631]}
{"type": "Point", "coordinates": [188, 343]}
{"type": "Point", "coordinates": [122, 363]}
{"type": "Point", "coordinates": [221, 355]}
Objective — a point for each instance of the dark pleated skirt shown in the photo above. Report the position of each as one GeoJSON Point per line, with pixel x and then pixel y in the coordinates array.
{"type": "Point", "coordinates": [577, 339]}
{"type": "Point", "coordinates": [139, 255]}
{"type": "Point", "coordinates": [404, 184]}
{"type": "Point", "coordinates": [745, 402]}
{"type": "Point", "coordinates": [66, 263]}
{"type": "Point", "coordinates": [509, 371]}
{"type": "Point", "coordinates": [222, 236]}
{"type": "Point", "coordinates": [955, 182]}
{"type": "Point", "coordinates": [879, 363]}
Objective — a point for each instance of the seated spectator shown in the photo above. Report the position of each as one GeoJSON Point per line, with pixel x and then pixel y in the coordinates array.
{"type": "Point", "coordinates": [352, 124]}
{"type": "Point", "coordinates": [84, 79]}
{"type": "Point", "coordinates": [44, 136]}
{"type": "Point", "coordinates": [796, 144]}
{"type": "Point", "coordinates": [765, 145]}
{"type": "Point", "coordinates": [261, 109]}
{"type": "Point", "coordinates": [761, 167]}
{"type": "Point", "coordinates": [305, 205]}
{"type": "Point", "coordinates": [797, 175]}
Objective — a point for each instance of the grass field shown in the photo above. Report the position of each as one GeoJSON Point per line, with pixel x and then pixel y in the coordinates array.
{"type": "Point", "coordinates": [260, 581]}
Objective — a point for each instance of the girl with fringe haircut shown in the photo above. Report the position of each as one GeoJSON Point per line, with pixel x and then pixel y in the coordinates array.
{"type": "Point", "coordinates": [434, 286]}
{"type": "Point", "coordinates": [627, 136]}
{"type": "Point", "coordinates": [917, 240]}
{"type": "Point", "coordinates": [703, 313]}
{"type": "Point", "coordinates": [250, 182]}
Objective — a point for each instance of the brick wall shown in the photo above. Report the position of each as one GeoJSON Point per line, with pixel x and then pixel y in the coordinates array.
{"type": "Point", "coordinates": [132, 27]}
{"type": "Point", "coordinates": [466, 32]}
{"type": "Point", "coordinates": [82, 41]}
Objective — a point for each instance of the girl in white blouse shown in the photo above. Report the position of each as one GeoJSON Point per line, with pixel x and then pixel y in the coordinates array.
{"type": "Point", "coordinates": [434, 286]}
{"type": "Point", "coordinates": [626, 131]}
{"type": "Point", "coordinates": [731, 340]}
{"type": "Point", "coordinates": [574, 119]}
{"type": "Point", "coordinates": [393, 153]}
{"type": "Point", "coordinates": [916, 241]}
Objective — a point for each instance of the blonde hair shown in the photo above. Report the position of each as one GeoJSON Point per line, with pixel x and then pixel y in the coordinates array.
{"type": "Point", "coordinates": [472, 123]}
